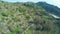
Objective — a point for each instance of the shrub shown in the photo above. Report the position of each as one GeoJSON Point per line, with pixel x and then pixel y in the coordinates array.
{"type": "Point", "coordinates": [4, 14]}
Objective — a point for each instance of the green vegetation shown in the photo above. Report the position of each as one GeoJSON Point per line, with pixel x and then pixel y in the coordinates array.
{"type": "Point", "coordinates": [4, 14]}
{"type": "Point", "coordinates": [26, 18]}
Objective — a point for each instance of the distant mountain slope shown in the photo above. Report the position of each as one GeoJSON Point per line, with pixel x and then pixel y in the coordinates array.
{"type": "Point", "coordinates": [50, 8]}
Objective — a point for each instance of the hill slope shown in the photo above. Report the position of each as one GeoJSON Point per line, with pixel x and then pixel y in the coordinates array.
{"type": "Point", "coordinates": [26, 18]}
{"type": "Point", "coordinates": [50, 8]}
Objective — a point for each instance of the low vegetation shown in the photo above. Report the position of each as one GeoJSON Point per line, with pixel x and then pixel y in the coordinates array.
{"type": "Point", "coordinates": [26, 18]}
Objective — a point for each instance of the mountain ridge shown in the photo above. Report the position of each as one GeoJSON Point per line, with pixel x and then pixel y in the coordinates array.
{"type": "Point", "coordinates": [50, 8]}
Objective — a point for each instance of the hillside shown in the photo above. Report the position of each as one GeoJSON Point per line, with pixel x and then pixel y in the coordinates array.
{"type": "Point", "coordinates": [26, 18]}
{"type": "Point", "coordinates": [50, 8]}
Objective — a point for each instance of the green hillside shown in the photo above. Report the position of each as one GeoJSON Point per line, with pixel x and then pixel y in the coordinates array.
{"type": "Point", "coordinates": [26, 18]}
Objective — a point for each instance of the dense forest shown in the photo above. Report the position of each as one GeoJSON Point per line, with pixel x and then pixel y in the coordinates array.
{"type": "Point", "coordinates": [29, 18]}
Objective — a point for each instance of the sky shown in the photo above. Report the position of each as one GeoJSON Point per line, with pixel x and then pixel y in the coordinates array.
{"type": "Point", "coordinates": [53, 2]}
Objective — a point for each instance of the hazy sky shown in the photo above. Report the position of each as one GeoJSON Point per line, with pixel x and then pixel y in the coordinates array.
{"type": "Point", "coordinates": [54, 2]}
